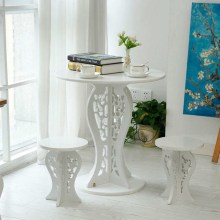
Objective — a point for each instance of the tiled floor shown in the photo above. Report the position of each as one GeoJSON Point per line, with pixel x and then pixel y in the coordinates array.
{"type": "Point", "coordinates": [25, 190]}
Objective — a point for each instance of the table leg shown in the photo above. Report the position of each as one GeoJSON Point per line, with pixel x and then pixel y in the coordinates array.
{"type": "Point", "coordinates": [63, 168]}
{"type": "Point", "coordinates": [179, 167]}
{"type": "Point", "coordinates": [109, 114]}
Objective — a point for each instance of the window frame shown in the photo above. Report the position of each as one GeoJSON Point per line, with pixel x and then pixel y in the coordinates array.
{"type": "Point", "coordinates": [5, 86]}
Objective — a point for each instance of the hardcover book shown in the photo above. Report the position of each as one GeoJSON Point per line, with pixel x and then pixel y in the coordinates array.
{"type": "Point", "coordinates": [94, 58]}
{"type": "Point", "coordinates": [104, 69]}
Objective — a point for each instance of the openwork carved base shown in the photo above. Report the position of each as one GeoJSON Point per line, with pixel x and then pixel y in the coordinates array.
{"type": "Point", "coordinates": [63, 168]}
{"type": "Point", "coordinates": [109, 114]}
{"type": "Point", "coordinates": [179, 166]}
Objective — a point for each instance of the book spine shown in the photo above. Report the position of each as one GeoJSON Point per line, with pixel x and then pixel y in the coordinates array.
{"type": "Point", "coordinates": [74, 66]}
{"type": "Point", "coordinates": [83, 60]}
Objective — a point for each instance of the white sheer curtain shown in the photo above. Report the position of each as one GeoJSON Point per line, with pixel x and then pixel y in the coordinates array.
{"type": "Point", "coordinates": [65, 27]}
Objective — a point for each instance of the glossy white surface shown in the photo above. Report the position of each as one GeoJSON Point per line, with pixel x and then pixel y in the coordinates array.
{"type": "Point", "coordinates": [117, 78]}
{"type": "Point", "coordinates": [23, 197]}
{"type": "Point", "coordinates": [179, 143]}
{"type": "Point", "coordinates": [63, 143]}
{"type": "Point", "coordinates": [89, 76]}
{"type": "Point", "coordinates": [138, 75]}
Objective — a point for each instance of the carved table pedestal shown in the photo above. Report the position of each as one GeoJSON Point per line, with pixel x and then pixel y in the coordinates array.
{"type": "Point", "coordinates": [109, 109]}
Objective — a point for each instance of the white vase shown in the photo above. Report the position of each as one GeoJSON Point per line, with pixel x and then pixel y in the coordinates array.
{"type": "Point", "coordinates": [127, 62]}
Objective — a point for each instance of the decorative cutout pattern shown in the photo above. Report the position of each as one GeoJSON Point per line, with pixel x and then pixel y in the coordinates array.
{"type": "Point", "coordinates": [114, 168]}
{"type": "Point", "coordinates": [166, 161]}
{"type": "Point", "coordinates": [118, 103]}
{"type": "Point", "coordinates": [118, 109]}
{"type": "Point", "coordinates": [186, 165]}
{"type": "Point", "coordinates": [71, 165]}
{"type": "Point", "coordinates": [171, 161]}
{"type": "Point", "coordinates": [52, 164]}
{"type": "Point", "coordinates": [100, 108]}
{"type": "Point", "coordinates": [104, 167]}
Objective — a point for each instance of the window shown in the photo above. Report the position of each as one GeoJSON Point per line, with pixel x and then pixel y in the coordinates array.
{"type": "Point", "coordinates": [18, 71]}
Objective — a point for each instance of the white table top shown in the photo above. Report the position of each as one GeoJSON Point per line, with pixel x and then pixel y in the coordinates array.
{"type": "Point", "coordinates": [178, 143]}
{"type": "Point", "coordinates": [62, 143]}
{"type": "Point", "coordinates": [116, 78]}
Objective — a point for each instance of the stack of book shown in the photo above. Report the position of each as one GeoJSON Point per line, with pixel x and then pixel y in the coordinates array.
{"type": "Point", "coordinates": [105, 64]}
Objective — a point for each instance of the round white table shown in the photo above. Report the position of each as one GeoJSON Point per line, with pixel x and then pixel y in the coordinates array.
{"type": "Point", "coordinates": [108, 115]}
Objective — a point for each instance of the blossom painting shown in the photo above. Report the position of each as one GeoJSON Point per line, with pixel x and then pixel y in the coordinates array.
{"type": "Point", "coordinates": [202, 89]}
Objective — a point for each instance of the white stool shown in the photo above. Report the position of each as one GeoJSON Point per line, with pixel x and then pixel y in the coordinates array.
{"type": "Point", "coordinates": [179, 164]}
{"type": "Point", "coordinates": [63, 164]}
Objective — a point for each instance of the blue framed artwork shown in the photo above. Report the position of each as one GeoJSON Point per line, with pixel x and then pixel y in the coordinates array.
{"type": "Point", "coordinates": [202, 88]}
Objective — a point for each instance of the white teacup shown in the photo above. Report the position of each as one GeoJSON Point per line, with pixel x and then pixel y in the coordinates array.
{"type": "Point", "coordinates": [139, 69]}
{"type": "Point", "coordinates": [87, 69]}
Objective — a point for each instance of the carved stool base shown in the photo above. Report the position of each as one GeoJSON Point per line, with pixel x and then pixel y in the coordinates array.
{"type": "Point", "coordinates": [63, 164]}
{"type": "Point", "coordinates": [179, 164]}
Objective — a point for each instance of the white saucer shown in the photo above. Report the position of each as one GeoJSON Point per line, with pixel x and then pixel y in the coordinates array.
{"type": "Point", "coordinates": [86, 76]}
{"type": "Point", "coordinates": [138, 75]}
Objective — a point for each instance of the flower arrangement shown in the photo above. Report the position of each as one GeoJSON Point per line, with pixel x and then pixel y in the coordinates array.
{"type": "Point", "coordinates": [127, 41]}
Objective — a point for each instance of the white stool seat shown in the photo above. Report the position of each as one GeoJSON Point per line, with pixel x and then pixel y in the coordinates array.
{"type": "Point", "coordinates": [63, 143]}
{"type": "Point", "coordinates": [178, 143]}
{"type": "Point", "coordinates": [179, 164]}
{"type": "Point", "coordinates": [63, 164]}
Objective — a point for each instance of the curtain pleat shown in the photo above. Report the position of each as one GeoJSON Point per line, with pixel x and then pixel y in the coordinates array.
{"type": "Point", "coordinates": [66, 27]}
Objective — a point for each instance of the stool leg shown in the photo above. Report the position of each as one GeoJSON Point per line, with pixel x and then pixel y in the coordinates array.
{"type": "Point", "coordinates": [54, 169]}
{"type": "Point", "coordinates": [71, 167]}
{"type": "Point", "coordinates": [187, 167]}
{"type": "Point", "coordinates": [171, 166]}
{"type": "Point", "coordinates": [179, 167]}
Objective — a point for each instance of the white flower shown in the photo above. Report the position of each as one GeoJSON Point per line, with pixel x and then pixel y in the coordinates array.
{"type": "Point", "coordinates": [209, 88]}
{"type": "Point", "coordinates": [213, 97]}
{"type": "Point", "coordinates": [202, 103]}
{"type": "Point", "coordinates": [190, 106]}
{"type": "Point", "coordinates": [195, 105]}
{"type": "Point", "coordinates": [201, 75]}
{"type": "Point", "coordinates": [121, 34]}
{"type": "Point", "coordinates": [197, 95]}
{"type": "Point", "coordinates": [207, 62]}
{"type": "Point", "coordinates": [196, 35]}
{"type": "Point", "coordinates": [206, 53]}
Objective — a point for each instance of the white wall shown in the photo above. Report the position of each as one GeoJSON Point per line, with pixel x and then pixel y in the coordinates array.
{"type": "Point", "coordinates": [163, 28]}
{"type": "Point", "coordinates": [205, 128]}
{"type": "Point", "coordinates": [149, 21]}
